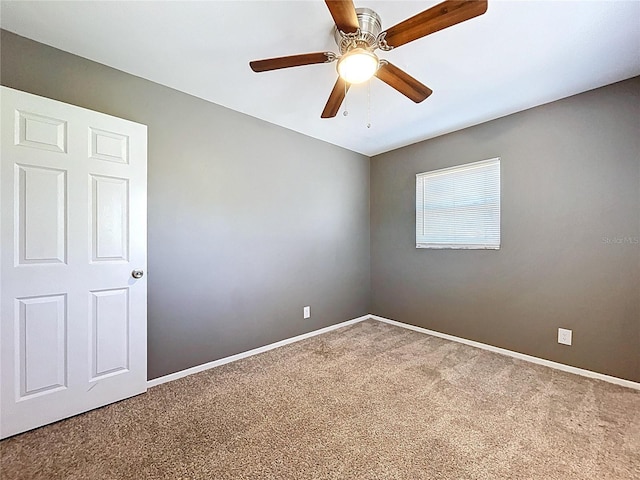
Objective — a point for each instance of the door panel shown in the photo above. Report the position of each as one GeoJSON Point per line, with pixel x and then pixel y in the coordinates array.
{"type": "Point", "coordinates": [109, 146]}
{"type": "Point", "coordinates": [110, 332]}
{"type": "Point", "coordinates": [41, 132]}
{"type": "Point", "coordinates": [42, 211]}
{"type": "Point", "coordinates": [72, 228]}
{"type": "Point", "coordinates": [110, 218]}
{"type": "Point", "coordinates": [42, 334]}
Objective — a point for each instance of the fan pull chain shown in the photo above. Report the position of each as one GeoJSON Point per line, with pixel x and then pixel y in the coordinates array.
{"type": "Point", "coordinates": [346, 112]}
{"type": "Point", "coordinates": [369, 104]}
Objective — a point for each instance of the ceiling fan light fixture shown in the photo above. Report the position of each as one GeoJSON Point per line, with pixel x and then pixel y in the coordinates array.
{"type": "Point", "coordinates": [357, 66]}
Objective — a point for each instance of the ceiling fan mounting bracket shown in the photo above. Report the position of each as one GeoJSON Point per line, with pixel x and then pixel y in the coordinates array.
{"type": "Point", "coordinates": [331, 57]}
{"type": "Point", "coordinates": [381, 42]}
{"type": "Point", "coordinates": [347, 41]}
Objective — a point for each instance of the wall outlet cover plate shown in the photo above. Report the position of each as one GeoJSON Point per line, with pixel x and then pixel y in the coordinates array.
{"type": "Point", "coordinates": [564, 336]}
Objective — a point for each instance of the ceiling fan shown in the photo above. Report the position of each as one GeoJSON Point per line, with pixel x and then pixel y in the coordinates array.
{"type": "Point", "coordinates": [357, 34]}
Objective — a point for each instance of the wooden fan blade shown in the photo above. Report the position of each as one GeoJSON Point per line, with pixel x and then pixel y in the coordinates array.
{"type": "Point", "coordinates": [344, 15]}
{"type": "Point", "coordinates": [436, 18]}
{"type": "Point", "coordinates": [335, 99]}
{"type": "Point", "coordinates": [403, 82]}
{"type": "Point", "coordinates": [291, 61]}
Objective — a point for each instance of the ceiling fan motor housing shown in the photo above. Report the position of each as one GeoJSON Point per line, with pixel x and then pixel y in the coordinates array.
{"type": "Point", "coordinates": [365, 37]}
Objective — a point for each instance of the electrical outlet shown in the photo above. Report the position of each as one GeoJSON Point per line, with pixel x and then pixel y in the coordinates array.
{"type": "Point", "coordinates": [564, 336]}
{"type": "Point", "coordinates": [306, 312]}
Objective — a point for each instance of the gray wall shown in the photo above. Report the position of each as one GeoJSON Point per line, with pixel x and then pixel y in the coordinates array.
{"type": "Point", "coordinates": [570, 181]}
{"type": "Point", "coordinates": [248, 222]}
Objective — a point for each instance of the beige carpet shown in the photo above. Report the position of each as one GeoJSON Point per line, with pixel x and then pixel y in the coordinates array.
{"type": "Point", "coordinates": [370, 401]}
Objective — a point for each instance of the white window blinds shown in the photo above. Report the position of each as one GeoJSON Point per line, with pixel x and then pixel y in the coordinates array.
{"type": "Point", "coordinates": [459, 207]}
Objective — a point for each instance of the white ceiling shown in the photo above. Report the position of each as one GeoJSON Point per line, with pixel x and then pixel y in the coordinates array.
{"type": "Point", "coordinates": [518, 55]}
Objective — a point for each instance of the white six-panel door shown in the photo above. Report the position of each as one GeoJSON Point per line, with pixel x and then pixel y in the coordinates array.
{"type": "Point", "coordinates": [72, 230]}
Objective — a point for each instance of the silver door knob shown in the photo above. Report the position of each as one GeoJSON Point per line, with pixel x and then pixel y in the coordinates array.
{"type": "Point", "coordinates": [137, 274]}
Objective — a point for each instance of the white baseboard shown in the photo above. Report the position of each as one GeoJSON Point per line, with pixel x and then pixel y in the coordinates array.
{"type": "Point", "coordinates": [255, 351]}
{"type": "Point", "coordinates": [520, 356]}
{"type": "Point", "coordinates": [484, 346]}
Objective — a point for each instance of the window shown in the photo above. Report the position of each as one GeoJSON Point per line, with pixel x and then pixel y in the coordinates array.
{"type": "Point", "coordinates": [459, 207]}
